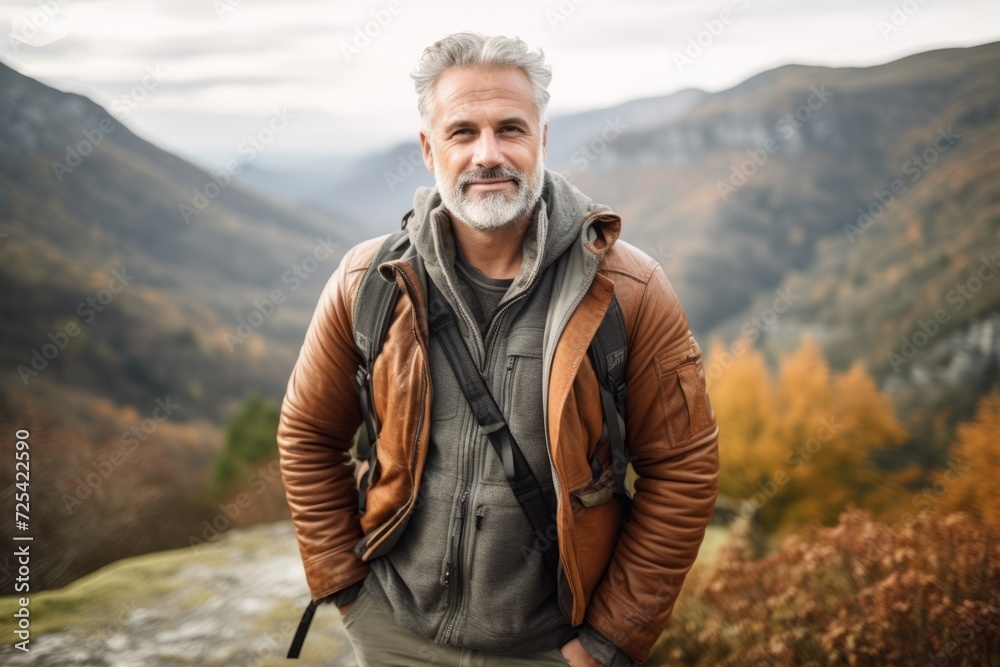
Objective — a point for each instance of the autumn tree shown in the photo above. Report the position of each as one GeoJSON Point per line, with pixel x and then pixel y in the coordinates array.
{"type": "Point", "coordinates": [743, 398]}
{"type": "Point", "coordinates": [798, 447]}
{"type": "Point", "coordinates": [976, 457]}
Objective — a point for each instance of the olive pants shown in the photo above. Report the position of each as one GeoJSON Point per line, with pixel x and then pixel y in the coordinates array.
{"type": "Point", "coordinates": [379, 642]}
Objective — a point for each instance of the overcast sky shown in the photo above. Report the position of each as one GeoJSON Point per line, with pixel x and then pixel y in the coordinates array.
{"type": "Point", "coordinates": [224, 67]}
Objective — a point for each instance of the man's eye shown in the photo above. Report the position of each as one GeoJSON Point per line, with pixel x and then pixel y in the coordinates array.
{"type": "Point", "coordinates": [463, 131]}
{"type": "Point", "coordinates": [510, 128]}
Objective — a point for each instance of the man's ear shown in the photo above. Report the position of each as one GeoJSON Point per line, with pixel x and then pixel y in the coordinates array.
{"type": "Point", "coordinates": [425, 150]}
{"type": "Point", "coordinates": [545, 141]}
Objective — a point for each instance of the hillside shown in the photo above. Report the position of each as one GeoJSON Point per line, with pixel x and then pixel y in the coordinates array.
{"type": "Point", "coordinates": [755, 190]}
{"type": "Point", "coordinates": [122, 344]}
{"type": "Point", "coordinates": [190, 274]}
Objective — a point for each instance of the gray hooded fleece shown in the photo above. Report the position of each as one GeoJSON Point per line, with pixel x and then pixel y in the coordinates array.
{"type": "Point", "coordinates": [465, 571]}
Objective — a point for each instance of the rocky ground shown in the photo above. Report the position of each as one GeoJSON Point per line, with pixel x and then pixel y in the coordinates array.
{"type": "Point", "coordinates": [234, 602]}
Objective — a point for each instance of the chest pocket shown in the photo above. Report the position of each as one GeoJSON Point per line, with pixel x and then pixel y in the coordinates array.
{"type": "Point", "coordinates": [520, 400]}
{"type": "Point", "coordinates": [445, 389]}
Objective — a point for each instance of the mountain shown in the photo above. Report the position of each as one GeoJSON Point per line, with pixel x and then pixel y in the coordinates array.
{"type": "Point", "coordinates": [867, 194]}
{"type": "Point", "coordinates": [142, 300]}
{"type": "Point", "coordinates": [377, 189]}
{"type": "Point", "coordinates": [85, 200]}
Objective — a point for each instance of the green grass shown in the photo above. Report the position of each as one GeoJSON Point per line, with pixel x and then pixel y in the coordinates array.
{"type": "Point", "coordinates": [90, 602]}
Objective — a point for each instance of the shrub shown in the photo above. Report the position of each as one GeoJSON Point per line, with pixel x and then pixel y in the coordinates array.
{"type": "Point", "coordinates": [859, 593]}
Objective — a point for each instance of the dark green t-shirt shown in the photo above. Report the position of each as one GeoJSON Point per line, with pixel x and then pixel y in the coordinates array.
{"type": "Point", "coordinates": [482, 293]}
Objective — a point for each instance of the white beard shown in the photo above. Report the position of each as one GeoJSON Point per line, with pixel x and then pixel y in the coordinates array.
{"type": "Point", "coordinates": [490, 211]}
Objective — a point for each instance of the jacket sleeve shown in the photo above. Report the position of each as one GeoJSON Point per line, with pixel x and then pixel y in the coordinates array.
{"type": "Point", "coordinates": [673, 444]}
{"type": "Point", "coordinates": [319, 417]}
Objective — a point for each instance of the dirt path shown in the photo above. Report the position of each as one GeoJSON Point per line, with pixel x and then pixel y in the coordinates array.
{"type": "Point", "coordinates": [234, 602]}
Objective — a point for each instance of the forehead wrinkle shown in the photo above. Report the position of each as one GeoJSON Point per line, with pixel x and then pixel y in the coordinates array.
{"type": "Point", "coordinates": [456, 102]}
{"type": "Point", "coordinates": [467, 111]}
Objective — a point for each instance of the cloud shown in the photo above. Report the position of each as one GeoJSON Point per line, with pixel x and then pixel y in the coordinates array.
{"type": "Point", "coordinates": [351, 61]}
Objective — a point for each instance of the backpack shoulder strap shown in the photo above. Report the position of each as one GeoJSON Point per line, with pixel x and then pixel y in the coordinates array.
{"type": "Point", "coordinates": [371, 324]}
{"type": "Point", "coordinates": [609, 356]}
{"type": "Point", "coordinates": [373, 307]}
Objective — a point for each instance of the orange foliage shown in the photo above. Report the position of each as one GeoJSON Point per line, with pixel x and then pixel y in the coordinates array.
{"type": "Point", "coordinates": [978, 458]}
{"type": "Point", "coordinates": [798, 448]}
{"type": "Point", "coordinates": [860, 593]}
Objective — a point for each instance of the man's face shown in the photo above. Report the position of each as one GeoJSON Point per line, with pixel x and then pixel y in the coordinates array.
{"type": "Point", "coordinates": [485, 145]}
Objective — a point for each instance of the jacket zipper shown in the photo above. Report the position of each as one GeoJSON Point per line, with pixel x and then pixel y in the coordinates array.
{"type": "Point", "coordinates": [545, 383]}
{"type": "Point", "coordinates": [454, 595]}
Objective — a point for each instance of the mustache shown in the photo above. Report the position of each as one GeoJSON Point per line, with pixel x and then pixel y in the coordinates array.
{"type": "Point", "coordinates": [493, 173]}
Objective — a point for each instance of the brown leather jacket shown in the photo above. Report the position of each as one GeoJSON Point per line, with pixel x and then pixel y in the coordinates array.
{"type": "Point", "coordinates": [622, 579]}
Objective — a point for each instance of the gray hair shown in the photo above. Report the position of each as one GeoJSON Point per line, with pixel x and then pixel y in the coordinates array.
{"type": "Point", "coordinates": [472, 49]}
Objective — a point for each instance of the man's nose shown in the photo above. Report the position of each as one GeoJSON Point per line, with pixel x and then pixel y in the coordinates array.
{"type": "Point", "coordinates": [487, 153]}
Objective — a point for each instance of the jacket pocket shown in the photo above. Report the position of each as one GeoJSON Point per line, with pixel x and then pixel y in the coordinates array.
{"type": "Point", "coordinates": [601, 488]}
{"type": "Point", "coordinates": [684, 400]}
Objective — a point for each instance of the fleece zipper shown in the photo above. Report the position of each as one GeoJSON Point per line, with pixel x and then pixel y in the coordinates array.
{"type": "Point", "coordinates": [456, 567]}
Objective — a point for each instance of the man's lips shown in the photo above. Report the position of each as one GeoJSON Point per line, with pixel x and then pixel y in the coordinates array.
{"type": "Point", "coordinates": [492, 184]}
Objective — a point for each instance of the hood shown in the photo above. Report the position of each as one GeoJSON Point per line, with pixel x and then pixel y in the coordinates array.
{"type": "Point", "coordinates": [555, 226]}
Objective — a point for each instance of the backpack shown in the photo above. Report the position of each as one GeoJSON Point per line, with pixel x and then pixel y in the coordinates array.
{"type": "Point", "coordinates": [608, 354]}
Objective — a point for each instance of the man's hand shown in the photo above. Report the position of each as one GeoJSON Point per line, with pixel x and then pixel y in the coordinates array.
{"type": "Point", "coordinates": [346, 607]}
{"type": "Point", "coordinates": [577, 656]}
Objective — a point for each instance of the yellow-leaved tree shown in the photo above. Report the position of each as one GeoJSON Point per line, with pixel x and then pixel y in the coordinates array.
{"type": "Point", "coordinates": [975, 465]}
{"type": "Point", "coordinates": [798, 447]}
{"type": "Point", "coordinates": [744, 404]}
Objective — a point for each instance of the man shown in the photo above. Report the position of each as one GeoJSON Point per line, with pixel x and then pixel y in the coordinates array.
{"type": "Point", "coordinates": [444, 567]}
